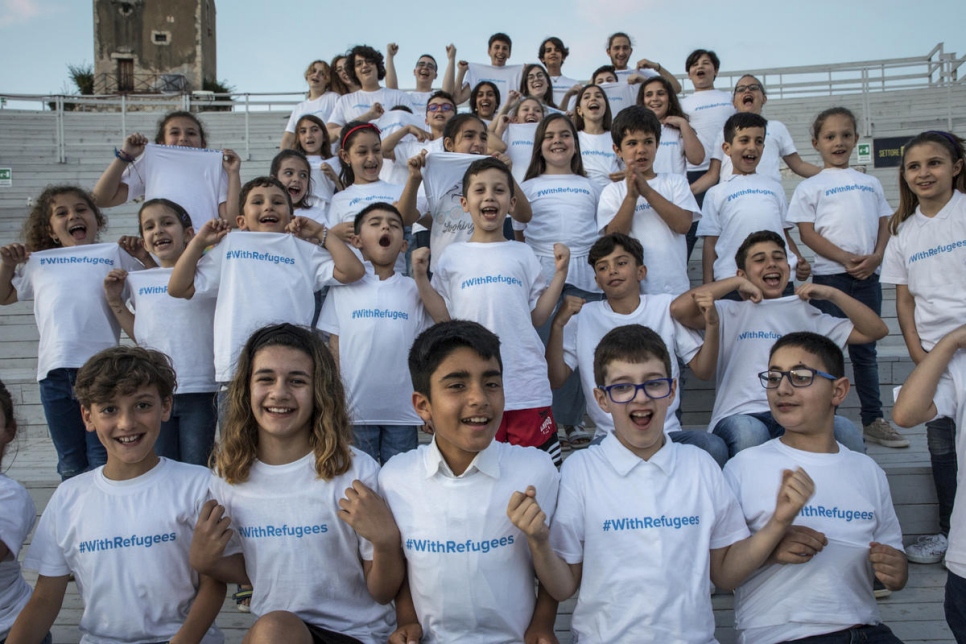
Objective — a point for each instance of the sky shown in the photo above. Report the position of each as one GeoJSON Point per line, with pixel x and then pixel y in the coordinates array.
{"type": "Point", "coordinates": [261, 53]}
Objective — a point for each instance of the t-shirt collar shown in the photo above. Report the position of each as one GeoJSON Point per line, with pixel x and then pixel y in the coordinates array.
{"type": "Point", "coordinates": [486, 462]}
{"type": "Point", "coordinates": [624, 460]}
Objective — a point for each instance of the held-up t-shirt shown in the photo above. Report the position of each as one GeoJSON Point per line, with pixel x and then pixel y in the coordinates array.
{"type": "Point", "coordinates": [519, 147]}
{"type": "Point", "coordinates": [600, 160]}
{"type": "Point", "coordinates": [504, 78]}
{"type": "Point", "coordinates": [443, 181]}
{"type": "Point", "coordinates": [353, 105]}
{"type": "Point", "coordinates": [707, 112]}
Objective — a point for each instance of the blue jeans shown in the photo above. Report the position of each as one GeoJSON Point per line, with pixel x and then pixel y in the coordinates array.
{"type": "Point", "coordinates": [955, 606]}
{"type": "Point", "coordinates": [382, 442]}
{"type": "Point", "coordinates": [878, 634]}
{"type": "Point", "coordinates": [77, 449]}
{"type": "Point", "coordinates": [189, 435]}
{"type": "Point", "coordinates": [941, 441]}
{"type": "Point", "coordinates": [708, 442]}
{"type": "Point", "coordinates": [742, 431]}
{"type": "Point", "coordinates": [865, 364]}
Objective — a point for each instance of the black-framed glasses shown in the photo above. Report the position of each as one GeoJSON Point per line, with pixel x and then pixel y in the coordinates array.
{"type": "Point", "coordinates": [425, 63]}
{"type": "Point", "coordinates": [753, 87]}
{"type": "Point", "coordinates": [439, 107]}
{"type": "Point", "coordinates": [624, 392]}
{"type": "Point", "coordinates": [800, 377]}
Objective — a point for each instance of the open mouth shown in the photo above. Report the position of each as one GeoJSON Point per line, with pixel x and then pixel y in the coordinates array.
{"type": "Point", "coordinates": [478, 422]}
{"type": "Point", "coordinates": [268, 219]}
{"type": "Point", "coordinates": [531, 118]}
{"type": "Point", "coordinates": [295, 191]}
{"type": "Point", "coordinates": [280, 411]}
{"type": "Point", "coordinates": [490, 212]}
{"type": "Point", "coordinates": [772, 279]}
{"type": "Point", "coordinates": [77, 231]}
{"type": "Point", "coordinates": [129, 440]}
{"type": "Point", "coordinates": [385, 241]}
{"type": "Point", "coordinates": [642, 418]}
{"type": "Point", "coordinates": [748, 99]}
{"type": "Point", "coordinates": [162, 244]}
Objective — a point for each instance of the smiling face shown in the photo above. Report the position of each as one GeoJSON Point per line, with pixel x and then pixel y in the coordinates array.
{"type": "Point", "coordinates": [364, 156]}
{"type": "Point", "coordinates": [266, 211]}
{"type": "Point", "coordinates": [529, 111]}
{"type": "Point", "coordinates": [438, 112]}
{"type": "Point", "coordinates": [618, 275]}
{"type": "Point", "coordinates": [746, 149]}
{"type": "Point", "coordinates": [465, 405]}
{"type": "Point", "coordinates": [470, 139]}
{"type": "Point", "coordinates": [182, 131]}
{"type": "Point", "coordinates": [499, 53]}
{"type": "Point", "coordinates": [282, 397]}
{"type": "Point", "coordinates": [318, 79]}
{"type": "Point", "coordinates": [638, 149]}
{"type": "Point", "coordinates": [380, 238]}
{"type": "Point", "coordinates": [486, 102]}
{"type": "Point", "coordinates": [164, 236]}
{"type": "Point", "coordinates": [749, 95]}
{"type": "Point", "coordinates": [804, 411]}
{"type": "Point", "coordinates": [766, 266]}
{"type": "Point", "coordinates": [702, 73]}
{"type": "Point", "coordinates": [425, 71]}
{"type": "Point", "coordinates": [340, 69]}
{"type": "Point", "coordinates": [294, 174]}
{"type": "Point", "coordinates": [639, 424]}
{"type": "Point", "coordinates": [72, 221]}
{"type": "Point", "coordinates": [537, 82]}
{"type": "Point", "coordinates": [929, 171]}
{"type": "Point", "coordinates": [620, 52]}
{"type": "Point", "coordinates": [488, 201]}
{"type": "Point", "coordinates": [558, 146]}
{"type": "Point", "coordinates": [128, 426]}
{"type": "Point", "coordinates": [311, 137]}
{"type": "Point", "coordinates": [592, 105]}
{"type": "Point", "coordinates": [655, 99]}
{"type": "Point", "coordinates": [835, 141]}
{"type": "Point", "coordinates": [367, 73]}
{"type": "Point", "coordinates": [551, 56]}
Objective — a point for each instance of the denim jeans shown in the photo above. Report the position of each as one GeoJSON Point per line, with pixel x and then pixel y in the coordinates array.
{"type": "Point", "coordinates": [742, 431]}
{"type": "Point", "coordinates": [941, 441]}
{"type": "Point", "coordinates": [77, 449]}
{"type": "Point", "coordinates": [382, 442]}
{"type": "Point", "coordinates": [189, 435]}
{"type": "Point", "coordinates": [865, 365]}
{"type": "Point", "coordinates": [878, 634]}
{"type": "Point", "coordinates": [955, 606]}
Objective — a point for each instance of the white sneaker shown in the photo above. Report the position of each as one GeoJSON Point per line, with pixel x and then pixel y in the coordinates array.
{"type": "Point", "coordinates": [927, 550]}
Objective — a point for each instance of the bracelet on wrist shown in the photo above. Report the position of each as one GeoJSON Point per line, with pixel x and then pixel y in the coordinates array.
{"type": "Point", "coordinates": [325, 235]}
{"type": "Point", "coordinates": [123, 156]}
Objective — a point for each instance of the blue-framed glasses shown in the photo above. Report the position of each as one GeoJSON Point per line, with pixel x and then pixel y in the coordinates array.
{"type": "Point", "coordinates": [800, 377]}
{"type": "Point", "coordinates": [624, 392]}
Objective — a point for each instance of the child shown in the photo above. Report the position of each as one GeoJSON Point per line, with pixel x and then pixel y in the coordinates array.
{"type": "Point", "coordinates": [656, 209]}
{"type": "Point", "coordinates": [440, 108]}
{"type": "Point", "coordinates": [746, 203]}
{"type": "Point", "coordinates": [843, 216]}
{"type": "Point", "coordinates": [469, 571]}
{"type": "Point", "coordinates": [181, 329]}
{"type": "Point", "coordinates": [292, 169]}
{"type": "Point", "coordinates": [680, 144]}
{"type": "Point", "coordinates": [513, 131]}
{"type": "Point", "coordinates": [205, 182]}
{"type": "Point", "coordinates": [16, 522]}
{"type": "Point", "coordinates": [425, 74]}
{"type": "Point", "coordinates": [504, 77]}
{"type": "Point", "coordinates": [62, 268]}
{"type": "Point", "coordinates": [485, 101]}
{"type": "Point", "coordinates": [500, 284]}
{"type": "Point", "coordinates": [934, 390]}
{"type": "Point", "coordinates": [342, 84]}
{"type": "Point", "coordinates": [619, 95]}
{"type": "Point", "coordinates": [364, 67]}
{"type": "Point", "coordinates": [535, 82]}
{"type": "Point", "coordinates": [372, 324]}
{"type": "Point", "coordinates": [313, 141]}
{"type": "Point", "coordinates": [817, 581]}
{"type": "Point", "coordinates": [309, 530]}
{"type": "Point", "coordinates": [640, 511]}
{"type": "Point", "coordinates": [124, 530]}
{"type": "Point", "coordinates": [928, 271]}
{"type": "Point", "coordinates": [578, 326]}
{"type": "Point", "coordinates": [707, 108]}
{"type": "Point", "coordinates": [319, 103]}
{"type": "Point", "coordinates": [747, 329]}
{"type": "Point", "coordinates": [248, 270]}
{"type": "Point", "coordinates": [552, 54]}
{"type": "Point", "coordinates": [619, 51]}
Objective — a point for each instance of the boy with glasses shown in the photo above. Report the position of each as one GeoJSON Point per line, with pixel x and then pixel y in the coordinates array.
{"type": "Point", "coordinates": [425, 73]}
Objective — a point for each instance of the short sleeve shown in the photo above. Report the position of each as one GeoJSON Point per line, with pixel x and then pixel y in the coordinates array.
{"type": "Point", "coordinates": [729, 521]}
{"type": "Point", "coordinates": [329, 317]}
{"type": "Point", "coordinates": [208, 272]}
{"type": "Point", "coordinates": [338, 114]}
{"type": "Point", "coordinates": [717, 150]}
{"type": "Point", "coordinates": [887, 528]}
{"type": "Point", "coordinates": [45, 554]}
{"type": "Point", "coordinates": [22, 281]}
{"type": "Point", "coordinates": [322, 267]}
{"type": "Point", "coordinates": [607, 207]}
{"type": "Point", "coordinates": [786, 145]}
{"type": "Point", "coordinates": [567, 527]}
{"type": "Point", "coordinates": [894, 269]}
{"type": "Point", "coordinates": [687, 342]}
{"type": "Point", "coordinates": [682, 195]}
{"type": "Point", "coordinates": [538, 283]}
{"type": "Point", "coordinates": [885, 210]}
{"type": "Point", "coordinates": [803, 206]}
{"type": "Point", "coordinates": [18, 516]}
{"type": "Point", "coordinates": [836, 329]}
{"type": "Point", "coordinates": [570, 342]}
{"type": "Point", "coordinates": [293, 119]}
{"type": "Point", "coordinates": [710, 224]}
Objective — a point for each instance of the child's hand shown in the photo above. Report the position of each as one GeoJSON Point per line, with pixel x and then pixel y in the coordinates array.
{"type": "Point", "coordinates": [114, 284]}
{"type": "Point", "coordinates": [862, 266]}
{"type": "Point", "coordinates": [889, 565]}
{"type": "Point", "coordinates": [526, 515]}
{"type": "Point", "coordinates": [392, 49]}
{"type": "Point", "coordinates": [677, 122]}
{"type": "Point", "coordinates": [329, 173]}
{"type": "Point", "coordinates": [212, 232]}
{"type": "Point", "coordinates": [750, 292]}
{"type": "Point", "coordinates": [133, 246]}
{"type": "Point", "coordinates": [803, 269]}
{"type": "Point", "coordinates": [561, 258]}
{"type": "Point", "coordinates": [570, 307]}
{"type": "Point", "coordinates": [420, 134]}
{"type": "Point", "coordinates": [504, 158]}
{"type": "Point", "coordinates": [305, 228]}
{"type": "Point", "coordinates": [133, 145]}
{"type": "Point", "coordinates": [407, 634]}
{"type": "Point", "coordinates": [798, 546]}
{"type": "Point", "coordinates": [796, 489]}
{"type": "Point", "coordinates": [631, 180]}
{"type": "Point", "coordinates": [416, 164]}
{"type": "Point", "coordinates": [540, 636]}
{"type": "Point", "coordinates": [513, 96]}
{"type": "Point", "coordinates": [374, 113]}
{"type": "Point", "coordinates": [646, 64]}
{"type": "Point", "coordinates": [420, 260]}
{"type": "Point", "coordinates": [14, 254]}
{"type": "Point", "coordinates": [343, 231]}
{"type": "Point", "coordinates": [230, 161]}
{"type": "Point", "coordinates": [704, 300]}
{"type": "Point", "coordinates": [810, 291]}
{"type": "Point", "coordinates": [463, 66]}
{"type": "Point", "coordinates": [369, 515]}
{"type": "Point", "coordinates": [210, 537]}
{"type": "Point", "coordinates": [451, 51]}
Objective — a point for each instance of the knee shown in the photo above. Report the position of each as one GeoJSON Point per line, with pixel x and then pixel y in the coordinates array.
{"type": "Point", "coordinates": [278, 626]}
{"type": "Point", "coordinates": [847, 433]}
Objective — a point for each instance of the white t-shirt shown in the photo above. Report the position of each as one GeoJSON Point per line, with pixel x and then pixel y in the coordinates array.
{"type": "Point", "coordinates": [670, 153]}
{"type": "Point", "coordinates": [322, 187]}
{"type": "Point", "coordinates": [929, 257]}
{"type": "Point", "coordinates": [744, 205]}
{"type": "Point", "coordinates": [504, 78]}
{"type": "Point", "coordinates": [417, 102]}
{"type": "Point", "coordinates": [348, 203]}
{"type": "Point", "coordinates": [16, 521]}
{"type": "Point", "coordinates": [624, 74]}
{"type": "Point", "coordinates": [259, 279]}
{"type": "Point", "coordinates": [519, 147]}
{"type": "Point", "coordinates": [193, 178]}
{"type": "Point", "coordinates": [637, 525]}
{"type": "Point", "coordinates": [443, 181]}
{"type": "Point", "coordinates": [353, 105]}
{"type": "Point", "coordinates": [851, 506]}
{"type": "Point", "coordinates": [181, 329]}
{"type": "Point", "coordinates": [707, 112]}
{"type": "Point", "coordinates": [585, 330]}
{"type": "Point", "coordinates": [564, 211]}
{"type": "Point", "coordinates": [470, 570]}
{"type": "Point", "coordinates": [845, 207]}
{"type": "Point", "coordinates": [665, 251]}
{"type": "Point", "coordinates": [497, 285]}
{"type": "Point", "coordinates": [747, 332]}
{"type": "Point", "coordinates": [620, 95]}
{"type": "Point", "coordinates": [127, 544]}
{"type": "Point", "coordinates": [561, 85]}
{"type": "Point", "coordinates": [406, 150]}
{"type": "Point", "coordinates": [321, 107]}
{"type": "Point", "coordinates": [950, 400]}
{"type": "Point", "coordinates": [376, 321]}
{"type": "Point", "coordinates": [67, 287]}
{"type": "Point", "coordinates": [300, 556]}
{"type": "Point", "coordinates": [600, 160]}
{"type": "Point", "coordinates": [778, 145]}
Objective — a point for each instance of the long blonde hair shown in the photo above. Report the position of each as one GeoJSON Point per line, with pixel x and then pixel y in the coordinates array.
{"type": "Point", "coordinates": [330, 429]}
{"type": "Point", "coordinates": [909, 200]}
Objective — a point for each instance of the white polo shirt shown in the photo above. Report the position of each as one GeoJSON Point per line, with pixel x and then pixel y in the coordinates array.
{"type": "Point", "coordinates": [470, 569]}
{"type": "Point", "coordinates": [644, 531]}
{"type": "Point", "coordinates": [665, 251]}
{"type": "Point", "coordinates": [851, 506]}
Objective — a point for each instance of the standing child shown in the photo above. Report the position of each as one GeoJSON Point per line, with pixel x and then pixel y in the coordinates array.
{"type": "Point", "coordinates": [485, 101]}
{"type": "Point", "coordinates": [535, 82]}
{"type": "Point", "coordinates": [843, 216]}
{"type": "Point", "coordinates": [319, 103]}
{"type": "Point", "coordinates": [123, 531]}
{"type": "Point", "coordinates": [292, 169]}
{"type": "Point", "coordinates": [181, 329]}
{"type": "Point", "coordinates": [552, 54]}
{"type": "Point", "coordinates": [504, 77]}
{"type": "Point", "coordinates": [926, 262]}
{"type": "Point", "coordinates": [309, 530]}
{"type": "Point", "coordinates": [364, 67]}
{"type": "Point", "coordinates": [313, 141]}
{"type": "Point", "coordinates": [593, 121]}
{"type": "Point", "coordinates": [425, 73]}
{"type": "Point", "coordinates": [61, 267]}
{"type": "Point", "coordinates": [177, 167]}
{"type": "Point", "coordinates": [372, 323]}
{"type": "Point", "coordinates": [680, 144]}
{"type": "Point", "coordinates": [500, 284]}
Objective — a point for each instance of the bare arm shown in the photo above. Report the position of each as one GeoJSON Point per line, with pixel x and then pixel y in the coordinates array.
{"type": "Point", "coordinates": [347, 268]}
{"type": "Point", "coordinates": [869, 327]}
{"type": "Point", "coordinates": [624, 218]}
{"type": "Point", "coordinates": [369, 515]}
{"type": "Point", "coordinates": [408, 198]}
{"type": "Point", "coordinates": [182, 281]}
{"type": "Point", "coordinates": [708, 179]}
{"type": "Point", "coordinates": [677, 218]}
{"type": "Point", "coordinates": [113, 288]}
{"type": "Point", "coordinates": [408, 631]}
{"type": "Point", "coordinates": [915, 402]}
{"type": "Point", "coordinates": [10, 257]}
{"type": "Point", "coordinates": [799, 167]}
{"type": "Point", "coordinates": [464, 91]}
{"type": "Point", "coordinates": [709, 255]}
{"type": "Point", "coordinates": [686, 310]}
{"type": "Point", "coordinates": [109, 191]}
{"type": "Point", "coordinates": [231, 207]}
{"type": "Point", "coordinates": [204, 610]}
{"type": "Point", "coordinates": [557, 368]}
{"type": "Point", "coordinates": [521, 210]}
{"type": "Point", "coordinates": [449, 74]}
{"type": "Point", "coordinates": [660, 69]}
{"type": "Point", "coordinates": [391, 141]}
{"type": "Point", "coordinates": [495, 130]}
{"type": "Point", "coordinates": [288, 141]}
{"type": "Point", "coordinates": [432, 300]}
{"type": "Point", "coordinates": [705, 361]}
{"type": "Point", "coordinates": [906, 314]}
{"type": "Point", "coordinates": [391, 81]}
{"type": "Point", "coordinates": [549, 298]}
{"type": "Point", "coordinates": [38, 615]}
{"type": "Point", "coordinates": [540, 628]}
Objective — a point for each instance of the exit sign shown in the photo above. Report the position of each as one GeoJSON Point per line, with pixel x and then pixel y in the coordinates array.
{"type": "Point", "coordinates": [6, 177]}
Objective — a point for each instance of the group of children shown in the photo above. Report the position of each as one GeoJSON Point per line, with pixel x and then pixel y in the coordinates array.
{"type": "Point", "coordinates": [225, 280]}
